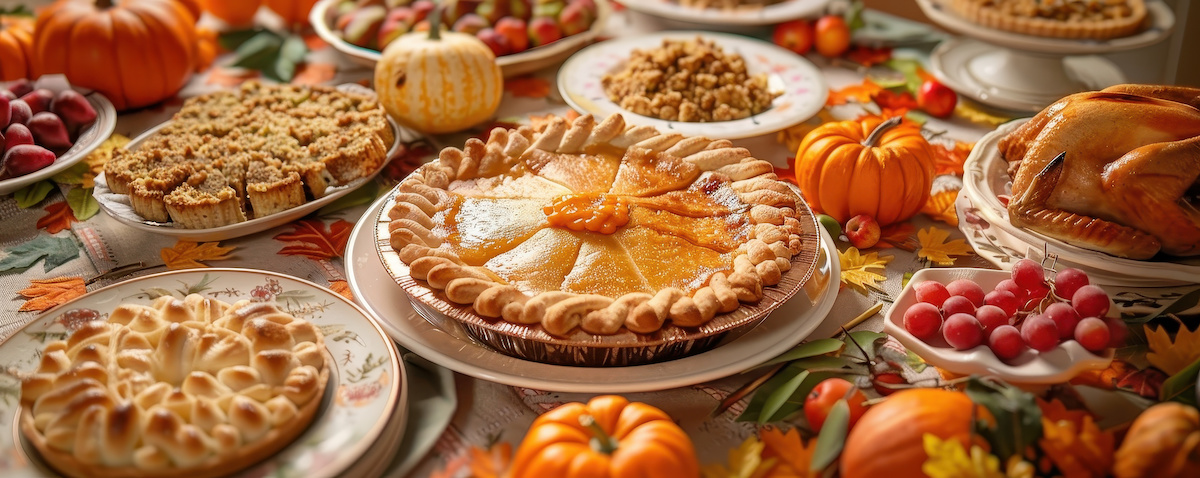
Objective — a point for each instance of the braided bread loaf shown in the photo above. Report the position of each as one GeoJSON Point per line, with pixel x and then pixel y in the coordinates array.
{"type": "Point", "coordinates": [196, 386]}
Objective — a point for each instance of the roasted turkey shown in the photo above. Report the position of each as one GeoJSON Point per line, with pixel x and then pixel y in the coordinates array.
{"type": "Point", "coordinates": [1112, 170]}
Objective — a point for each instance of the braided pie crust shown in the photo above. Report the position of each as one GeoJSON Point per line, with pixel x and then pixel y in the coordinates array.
{"type": "Point", "coordinates": [753, 222]}
{"type": "Point", "coordinates": [191, 386]}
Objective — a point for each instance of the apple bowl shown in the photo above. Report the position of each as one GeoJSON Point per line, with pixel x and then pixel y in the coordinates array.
{"type": "Point", "coordinates": [1057, 365]}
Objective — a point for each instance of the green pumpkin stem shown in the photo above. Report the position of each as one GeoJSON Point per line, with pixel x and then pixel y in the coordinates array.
{"type": "Point", "coordinates": [435, 23]}
{"type": "Point", "coordinates": [876, 134]}
{"type": "Point", "coordinates": [601, 441]}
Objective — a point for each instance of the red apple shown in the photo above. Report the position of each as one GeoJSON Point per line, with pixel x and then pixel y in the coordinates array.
{"type": "Point", "coordinates": [863, 231]}
{"type": "Point", "coordinates": [575, 18]}
{"type": "Point", "coordinates": [936, 99]}
{"type": "Point", "coordinates": [470, 23]}
{"type": "Point", "coordinates": [832, 36]}
{"type": "Point", "coordinates": [421, 10]}
{"type": "Point", "coordinates": [516, 31]}
{"type": "Point", "coordinates": [397, 22]}
{"type": "Point", "coordinates": [543, 30]}
{"type": "Point", "coordinates": [497, 42]}
{"type": "Point", "coordinates": [796, 35]}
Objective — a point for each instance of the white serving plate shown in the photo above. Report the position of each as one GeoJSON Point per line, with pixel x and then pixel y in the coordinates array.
{"type": "Point", "coordinates": [357, 410]}
{"type": "Point", "coordinates": [1057, 365]}
{"type": "Point", "coordinates": [802, 85]}
{"type": "Point", "coordinates": [528, 61]}
{"type": "Point", "coordinates": [787, 326]}
{"type": "Point", "coordinates": [717, 18]}
{"type": "Point", "coordinates": [88, 140]}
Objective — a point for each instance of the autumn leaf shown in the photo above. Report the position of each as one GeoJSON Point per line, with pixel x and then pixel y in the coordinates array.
{"type": "Point", "coordinates": [314, 73]}
{"type": "Point", "coordinates": [935, 249]}
{"type": "Point", "coordinates": [895, 102]}
{"type": "Point", "coordinates": [314, 41]}
{"type": "Point", "coordinates": [219, 76]}
{"type": "Point", "coordinates": [862, 271]}
{"type": "Point", "coordinates": [316, 242]}
{"type": "Point", "coordinates": [342, 288]}
{"type": "Point", "coordinates": [949, 459]}
{"type": "Point", "coordinates": [100, 156]}
{"type": "Point", "coordinates": [56, 250]}
{"type": "Point", "coordinates": [860, 93]}
{"type": "Point", "coordinates": [950, 160]}
{"type": "Point", "coordinates": [490, 463]}
{"type": "Point", "coordinates": [787, 173]}
{"type": "Point", "coordinates": [188, 255]}
{"type": "Point", "coordinates": [974, 113]}
{"type": "Point", "coordinates": [1075, 444]}
{"type": "Point", "coordinates": [940, 207]}
{"type": "Point", "coordinates": [527, 87]}
{"type": "Point", "coordinates": [792, 455]}
{"type": "Point", "coordinates": [867, 56]}
{"type": "Point", "coordinates": [745, 461]}
{"type": "Point", "coordinates": [58, 218]}
{"type": "Point", "coordinates": [407, 159]}
{"type": "Point", "coordinates": [1172, 355]}
{"type": "Point", "coordinates": [898, 235]}
{"type": "Point", "coordinates": [43, 294]}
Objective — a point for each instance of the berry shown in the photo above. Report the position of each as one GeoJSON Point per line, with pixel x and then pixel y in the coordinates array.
{"type": "Point", "coordinates": [923, 320]}
{"type": "Point", "coordinates": [966, 288]}
{"type": "Point", "coordinates": [1065, 318]}
{"type": "Point", "coordinates": [931, 292]}
{"type": "Point", "coordinates": [1017, 291]}
{"type": "Point", "coordinates": [962, 331]}
{"type": "Point", "coordinates": [1040, 333]}
{"type": "Point", "coordinates": [1003, 299]}
{"type": "Point", "coordinates": [957, 304]}
{"type": "Point", "coordinates": [1035, 295]}
{"type": "Point", "coordinates": [1028, 274]}
{"type": "Point", "coordinates": [1069, 280]}
{"type": "Point", "coordinates": [1006, 342]}
{"type": "Point", "coordinates": [1093, 334]}
{"type": "Point", "coordinates": [991, 317]}
{"type": "Point", "coordinates": [1090, 301]}
{"type": "Point", "coordinates": [1117, 331]}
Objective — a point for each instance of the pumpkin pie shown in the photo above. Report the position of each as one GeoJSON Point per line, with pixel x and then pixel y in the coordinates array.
{"type": "Point", "coordinates": [1074, 19]}
{"type": "Point", "coordinates": [182, 387]}
{"type": "Point", "coordinates": [598, 226]}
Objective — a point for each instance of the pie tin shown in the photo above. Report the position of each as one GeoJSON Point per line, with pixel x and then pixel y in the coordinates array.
{"type": "Point", "coordinates": [625, 348]}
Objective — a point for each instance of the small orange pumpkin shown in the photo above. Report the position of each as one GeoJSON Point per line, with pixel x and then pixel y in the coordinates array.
{"type": "Point", "coordinates": [135, 52]}
{"type": "Point", "coordinates": [609, 436]}
{"type": "Point", "coordinates": [293, 12]}
{"type": "Point", "coordinates": [16, 41]}
{"type": "Point", "coordinates": [234, 12]}
{"type": "Point", "coordinates": [1163, 442]}
{"type": "Point", "coordinates": [889, 439]}
{"type": "Point", "coordinates": [883, 169]}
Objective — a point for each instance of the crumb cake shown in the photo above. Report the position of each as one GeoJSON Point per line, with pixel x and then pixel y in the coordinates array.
{"type": "Point", "coordinates": [1073, 19]}
{"type": "Point", "coordinates": [295, 141]}
{"type": "Point", "coordinates": [183, 387]}
{"type": "Point", "coordinates": [597, 226]}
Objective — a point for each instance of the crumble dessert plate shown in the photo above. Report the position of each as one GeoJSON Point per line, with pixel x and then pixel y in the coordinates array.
{"type": "Point", "coordinates": [365, 389]}
{"type": "Point", "coordinates": [801, 86]}
{"type": "Point", "coordinates": [716, 18]}
{"type": "Point", "coordinates": [88, 140]}
{"type": "Point", "coordinates": [452, 348]}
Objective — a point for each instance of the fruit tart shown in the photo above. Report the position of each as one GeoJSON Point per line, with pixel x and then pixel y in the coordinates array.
{"type": "Point", "coordinates": [183, 387]}
{"type": "Point", "coordinates": [597, 226]}
{"type": "Point", "coordinates": [1073, 19]}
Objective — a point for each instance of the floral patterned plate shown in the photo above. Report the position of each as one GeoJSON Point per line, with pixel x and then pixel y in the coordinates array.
{"type": "Point", "coordinates": [365, 390]}
{"type": "Point", "coordinates": [801, 86]}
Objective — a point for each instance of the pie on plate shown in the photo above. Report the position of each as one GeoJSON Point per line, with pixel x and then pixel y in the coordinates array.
{"type": "Point", "coordinates": [193, 387]}
{"type": "Point", "coordinates": [1071, 19]}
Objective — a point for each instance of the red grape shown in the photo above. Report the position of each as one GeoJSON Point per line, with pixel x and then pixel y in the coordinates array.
{"type": "Point", "coordinates": [1069, 280]}
{"type": "Point", "coordinates": [962, 331]}
{"type": "Point", "coordinates": [1028, 274]}
{"type": "Point", "coordinates": [1006, 342]}
{"type": "Point", "coordinates": [932, 292]}
{"type": "Point", "coordinates": [1092, 333]}
{"type": "Point", "coordinates": [1035, 295]}
{"type": "Point", "coordinates": [1117, 331]}
{"type": "Point", "coordinates": [1003, 299]}
{"type": "Point", "coordinates": [1040, 333]}
{"type": "Point", "coordinates": [991, 317]}
{"type": "Point", "coordinates": [1011, 287]}
{"type": "Point", "coordinates": [966, 288]}
{"type": "Point", "coordinates": [957, 304]}
{"type": "Point", "coordinates": [1090, 301]}
{"type": "Point", "coordinates": [923, 320]}
{"type": "Point", "coordinates": [1065, 318]}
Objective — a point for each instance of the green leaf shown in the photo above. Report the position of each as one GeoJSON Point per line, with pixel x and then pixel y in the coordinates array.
{"type": "Point", "coordinates": [915, 362]}
{"type": "Point", "coordinates": [363, 195]}
{"type": "Point", "coordinates": [56, 250]}
{"type": "Point", "coordinates": [854, 17]}
{"type": "Point", "coordinates": [32, 194]}
{"type": "Point", "coordinates": [293, 49]}
{"type": "Point", "coordinates": [82, 203]}
{"type": "Point", "coordinates": [230, 41]}
{"type": "Point", "coordinates": [1181, 387]}
{"type": "Point", "coordinates": [832, 437]}
{"type": "Point", "coordinates": [259, 52]}
{"type": "Point", "coordinates": [73, 174]}
{"type": "Point", "coordinates": [780, 395]}
{"type": "Point", "coordinates": [1018, 418]}
{"type": "Point", "coordinates": [866, 339]}
{"type": "Point", "coordinates": [909, 67]}
{"type": "Point", "coordinates": [808, 349]}
{"type": "Point", "coordinates": [1184, 302]}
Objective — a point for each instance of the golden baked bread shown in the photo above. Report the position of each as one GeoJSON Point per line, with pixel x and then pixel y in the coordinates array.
{"type": "Point", "coordinates": [600, 226]}
{"type": "Point", "coordinates": [184, 387]}
{"type": "Point", "coordinates": [1114, 170]}
{"type": "Point", "coordinates": [1073, 19]}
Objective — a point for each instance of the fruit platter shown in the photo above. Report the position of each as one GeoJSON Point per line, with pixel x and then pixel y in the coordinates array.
{"type": "Point", "coordinates": [524, 36]}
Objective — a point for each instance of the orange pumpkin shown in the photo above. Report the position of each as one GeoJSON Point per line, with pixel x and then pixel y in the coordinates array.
{"type": "Point", "coordinates": [883, 169]}
{"type": "Point", "coordinates": [889, 439]}
{"type": "Point", "coordinates": [234, 12]}
{"type": "Point", "coordinates": [609, 436]}
{"type": "Point", "coordinates": [1163, 442]}
{"type": "Point", "coordinates": [293, 12]}
{"type": "Point", "coordinates": [135, 52]}
{"type": "Point", "coordinates": [16, 40]}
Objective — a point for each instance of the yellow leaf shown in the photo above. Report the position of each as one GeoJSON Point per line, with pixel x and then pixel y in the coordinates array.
{"type": "Point", "coordinates": [1169, 355]}
{"type": "Point", "coordinates": [861, 272]}
{"type": "Point", "coordinates": [1078, 448]}
{"type": "Point", "coordinates": [935, 249]}
{"type": "Point", "coordinates": [793, 454]}
{"type": "Point", "coordinates": [745, 461]}
{"type": "Point", "coordinates": [188, 255]}
{"type": "Point", "coordinates": [100, 156]}
{"type": "Point", "coordinates": [948, 459]}
{"type": "Point", "coordinates": [974, 114]}
{"type": "Point", "coordinates": [940, 207]}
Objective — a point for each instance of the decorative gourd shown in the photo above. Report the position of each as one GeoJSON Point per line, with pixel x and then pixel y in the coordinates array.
{"type": "Point", "coordinates": [233, 12]}
{"type": "Point", "coordinates": [135, 52]}
{"type": "Point", "coordinates": [293, 12]}
{"type": "Point", "coordinates": [883, 169]}
{"type": "Point", "coordinates": [607, 437]}
{"type": "Point", "coordinates": [1163, 442]}
{"type": "Point", "coordinates": [438, 82]}
{"type": "Point", "coordinates": [16, 41]}
{"type": "Point", "coordinates": [889, 439]}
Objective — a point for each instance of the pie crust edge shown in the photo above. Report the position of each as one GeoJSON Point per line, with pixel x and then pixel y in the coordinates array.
{"type": "Point", "coordinates": [973, 11]}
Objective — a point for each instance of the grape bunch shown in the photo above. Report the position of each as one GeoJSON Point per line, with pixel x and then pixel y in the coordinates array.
{"type": "Point", "coordinates": [1025, 311]}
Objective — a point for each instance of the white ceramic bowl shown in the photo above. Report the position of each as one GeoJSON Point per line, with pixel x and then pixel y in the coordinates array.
{"type": "Point", "coordinates": [89, 139]}
{"type": "Point", "coordinates": [1057, 365]}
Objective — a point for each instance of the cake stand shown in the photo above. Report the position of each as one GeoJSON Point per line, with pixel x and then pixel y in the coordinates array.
{"type": "Point", "coordinates": [1026, 73]}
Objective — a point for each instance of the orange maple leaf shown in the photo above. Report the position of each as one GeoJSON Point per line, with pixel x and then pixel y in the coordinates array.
{"type": "Point", "coordinates": [58, 218]}
{"type": "Point", "coordinates": [867, 56]}
{"type": "Point", "coordinates": [317, 243]}
{"type": "Point", "coordinates": [1074, 443]}
{"type": "Point", "coordinates": [226, 77]}
{"type": "Point", "coordinates": [46, 293]}
{"type": "Point", "coordinates": [861, 93]}
{"type": "Point", "coordinates": [940, 207]}
{"type": "Point", "coordinates": [950, 160]}
{"type": "Point", "coordinates": [894, 102]}
{"type": "Point", "coordinates": [792, 455]}
{"type": "Point", "coordinates": [528, 87]}
{"type": "Point", "coordinates": [490, 463]}
{"type": "Point", "coordinates": [314, 42]}
{"type": "Point", "coordinates": [899, 235]}
{"type": "Point", "coordinates": [314, 73]}
{"type": "Point", "coordinates": [1121, 375]}
{"type": "Point", "coordinates": [188, 255]}
{"type": "Point", "coordinates": [342, 288]}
